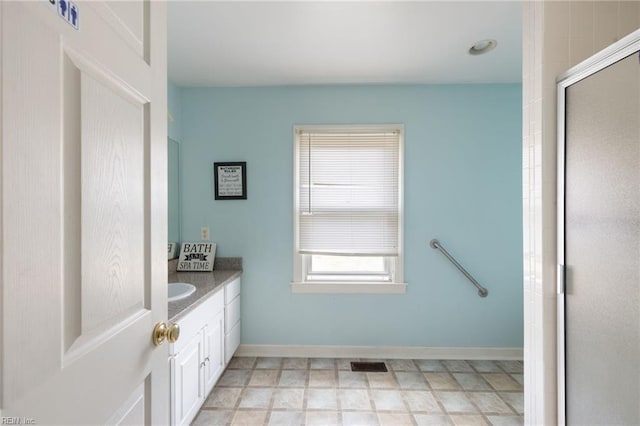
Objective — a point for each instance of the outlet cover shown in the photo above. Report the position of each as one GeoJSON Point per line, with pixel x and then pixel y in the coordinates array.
{"type": "Point", "coordinates": [204, 233]}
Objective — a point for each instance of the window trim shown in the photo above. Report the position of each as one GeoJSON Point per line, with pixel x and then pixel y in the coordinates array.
{"type": "Point", "coordinates": [300, 284]}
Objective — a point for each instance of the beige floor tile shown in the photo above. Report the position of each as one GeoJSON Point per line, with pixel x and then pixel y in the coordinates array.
{"type": "Point", "coordinates": [293, 378]}
{"type": "Point", "coordinates": [394, 419]}
{"type": "Point", "coordinates": [322, 363]}
{"type": "Point", "coordinates": [249, 418]}
{"type": "Point", "coordinates": [264, 378]}
{"type": "Point", "coordinates": [325, 391]}
{"type": "Point", "coordinates": [502, 382]}
{"type": "Point", "coordinates": [388, 400]}
{"type": "Point", "coordinates": [288, 399]}
{"type": "Point", "coordinates": [483, 366]}
{"type": "Point", "coordinates": [286, 418]}
{"type": "Point", "coordinates": [422, 401]}
{"type": "Point", "coordinates": [322, 399]}
{"type": "Point", "coordinates": [351, 418]}
{"type": "Point", "coordinates": [411, 380]}
{"type": "Point", "coordinates": [321, 418]}
{"type": "Point", "coordinates": [432, 420]}
{"type": "Point", "coordinates": [242, 362]}
{"type": "Point", "coordinates": [515, 400]}
{"type": "Point", "coordinates": [222, 398]}
{"type": "Point", "coordinates": [295, 363]}
{"type": "Point", "coordinates": [213, 418]}
{"type": "Point", "coordinates": [234, 378]}
{"type": "Point", "coordinates": [354, 399]}
{"type": "Point", "coordinates": [352, 379]}
{"type": "Point", "coordinates": [455, 402]}
{"type": "Point", "coordinates": [518, 378]}
{"type": "Point", "coordinates": [471, 382]}
{"type": "Point", "coordinates": [506, 420]}
{"type": "Point", "coordinates": [489, 402]}
{"type": "Point", "coordinates": [382, 381]}
{"type": "Point", "coordinates": [401, 365]}
{"type": "Point", "coordinates": [344, 363]}
{"type": "Point", "coordinates": [511, 366]}
{"type": "Point", "coordinates": [268, 363]}
{"type": "Point", "coordinates": [322, 379]}
{"type": "Point", "coordinates": [458, 366]}
{"type": "Point", "coordinates": [468, 420]}
{"type": "Point", "coordinates": [442, 381]}
{"type": "Point", "coordinates": [256, 398]}
{"type": "Point", "coordinates": [430, 365]}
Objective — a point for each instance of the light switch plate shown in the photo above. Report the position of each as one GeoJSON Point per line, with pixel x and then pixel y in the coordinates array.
{"type": "Point", "coordinates": [204, 233]}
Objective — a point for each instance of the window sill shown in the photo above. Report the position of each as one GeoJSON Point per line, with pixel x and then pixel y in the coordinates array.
{"type": "Point", "coordinates": [348, 288]}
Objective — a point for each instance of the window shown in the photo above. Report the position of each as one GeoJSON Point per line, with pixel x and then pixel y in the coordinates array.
{"type": "Point", "coordinates": [348, 209]}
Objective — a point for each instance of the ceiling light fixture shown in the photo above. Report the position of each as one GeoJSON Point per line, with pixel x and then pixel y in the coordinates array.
{"type": "Point", "coordinates": [483, 46]}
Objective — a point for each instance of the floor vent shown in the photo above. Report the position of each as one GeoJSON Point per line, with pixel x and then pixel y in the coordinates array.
{"type": "Point", "coordinates": [369, 367]}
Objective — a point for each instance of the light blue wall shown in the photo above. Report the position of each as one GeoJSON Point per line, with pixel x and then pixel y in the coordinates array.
{"type": "Point", "coordinates": [173, 161]}
{"type": "Point", "coordinates": [174, 100]}
{"type": "Point", "coordinates": [463, 168]}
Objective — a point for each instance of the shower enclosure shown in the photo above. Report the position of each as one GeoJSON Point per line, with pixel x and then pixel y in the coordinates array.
{"type": "Point", "coordinates": [599, 238]}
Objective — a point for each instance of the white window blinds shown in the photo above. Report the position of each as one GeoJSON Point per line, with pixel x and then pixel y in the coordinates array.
{"type": "Point", "coordinates": [348, 195]}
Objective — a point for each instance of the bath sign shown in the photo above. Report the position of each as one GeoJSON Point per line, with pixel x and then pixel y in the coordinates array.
{"type": "Point", "coordinates": [196, 257]}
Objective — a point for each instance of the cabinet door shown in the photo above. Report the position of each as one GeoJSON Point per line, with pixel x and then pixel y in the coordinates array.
{"type": "Point", "coordinates": [214, 350]}
{"type": "Point", "coordinates": [188, 381]}
{"type": "Point", "coordinates": [232, 341]}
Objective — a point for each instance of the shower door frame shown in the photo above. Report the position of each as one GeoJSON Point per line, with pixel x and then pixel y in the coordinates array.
{"type": "Point", "coordinates": [601, 60]}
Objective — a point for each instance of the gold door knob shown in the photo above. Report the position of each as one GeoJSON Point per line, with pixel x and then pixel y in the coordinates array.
{"type": "Point", "coordinates": [159, 333]}
{"type": "Point", "coordinates": [173, 334]}
{"type": "Point", "coordinates": [162, 332]}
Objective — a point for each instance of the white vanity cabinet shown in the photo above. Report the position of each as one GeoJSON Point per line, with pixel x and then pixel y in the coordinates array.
{"type": "Point", "coordinates": [231, 318]}
{"type": "Point", "coordinates": [209, 336]}
{"type": "Point", "coordinates": [197, 358]}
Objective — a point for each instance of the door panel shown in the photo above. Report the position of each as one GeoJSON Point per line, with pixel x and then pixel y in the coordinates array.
{"type": "Point", "coordinates": [189, 380]}
{"type": "Point", "coordinates": [113, 256]}
{"type": "Point", "coordinates": [83, 168]}
{"type": "Point", "coordinates": [214, 349]}
{"type": "Point", "coordinates": [602, 246]}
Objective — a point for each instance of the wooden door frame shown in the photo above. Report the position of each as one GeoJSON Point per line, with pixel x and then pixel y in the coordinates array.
{"type": "Point", "coordinates": [601, 60]}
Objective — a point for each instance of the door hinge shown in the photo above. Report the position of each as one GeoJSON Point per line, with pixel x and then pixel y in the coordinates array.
{"type": "Point", "coordinates": [561, 279]}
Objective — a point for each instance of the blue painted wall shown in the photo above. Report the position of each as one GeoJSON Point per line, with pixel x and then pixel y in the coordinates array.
{"type": "Point", "coordinates": [174, 100]}
{"type": "Point", "coordinates": [173, 161]}
{"type": "Point", "coordinates": [463, 168]}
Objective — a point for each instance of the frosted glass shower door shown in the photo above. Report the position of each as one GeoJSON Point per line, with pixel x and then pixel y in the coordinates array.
{"type": "Point", "coordinates": [602, 246]}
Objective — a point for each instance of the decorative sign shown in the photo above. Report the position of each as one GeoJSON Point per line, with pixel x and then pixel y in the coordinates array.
{"type": "Point", "coordinates": [230, 180]}
{"type": "Point", "coordinates": [172, 250]}
{"type": "Point", "coordinates": [68, 11]}
{"type": "Point", "coordinates": [197, 257]}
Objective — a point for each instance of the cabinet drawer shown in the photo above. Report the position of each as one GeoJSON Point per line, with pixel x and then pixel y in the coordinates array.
{"type": "Point", "coordinates": [231, 342]}
{"type": "Point", "coordinates": [231, 314]}
{"type": "Point", "coordinates": [192, 323]}
{"type": "Point", "coordinates": [231, 290]}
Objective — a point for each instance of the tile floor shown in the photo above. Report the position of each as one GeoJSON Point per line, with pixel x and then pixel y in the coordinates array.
{"type": "Point", "coordinates": [323, 391]}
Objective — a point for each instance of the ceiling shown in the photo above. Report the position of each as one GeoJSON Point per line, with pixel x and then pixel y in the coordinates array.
{"type": "Point", "coordinates": [306, 42]}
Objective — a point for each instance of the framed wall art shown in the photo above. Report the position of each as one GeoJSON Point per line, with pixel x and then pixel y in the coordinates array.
{"type": "Point", "coordinates": [230, 180]}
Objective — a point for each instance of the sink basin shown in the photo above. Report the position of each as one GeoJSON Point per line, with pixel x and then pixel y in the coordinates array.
{"type": "Point", "coordinates": [179, 291]}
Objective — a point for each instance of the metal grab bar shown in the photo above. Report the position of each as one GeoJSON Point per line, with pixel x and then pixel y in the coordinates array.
{"type": "Point", "coordinates": [482, 292]}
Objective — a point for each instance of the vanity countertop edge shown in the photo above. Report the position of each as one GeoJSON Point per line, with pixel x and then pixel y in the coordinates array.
{"type": "Point", "coordinates": [206, 283]}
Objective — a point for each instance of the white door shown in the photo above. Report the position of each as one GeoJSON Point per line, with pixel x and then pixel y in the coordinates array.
{"type": "Point", "coordinates": [84, 216]}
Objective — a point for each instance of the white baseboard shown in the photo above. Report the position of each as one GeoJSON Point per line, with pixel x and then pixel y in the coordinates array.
{"type": "Point", "coordinates": [379, 352]}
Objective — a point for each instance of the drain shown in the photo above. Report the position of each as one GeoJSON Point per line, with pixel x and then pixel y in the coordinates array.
{"type": "Point", "coordinates": [369, 367]}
